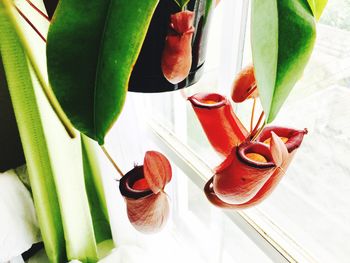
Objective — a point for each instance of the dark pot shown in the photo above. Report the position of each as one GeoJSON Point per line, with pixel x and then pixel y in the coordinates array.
{"type": "Point", "coordinates": [147, 75]}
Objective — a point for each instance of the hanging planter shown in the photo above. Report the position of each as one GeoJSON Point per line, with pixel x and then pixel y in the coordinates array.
{"type": "Point", "coordinates": [173, 53]}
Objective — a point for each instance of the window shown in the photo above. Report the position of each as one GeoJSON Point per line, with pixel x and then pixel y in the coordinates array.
{"type": "Point", "coordinates": [305, 218]}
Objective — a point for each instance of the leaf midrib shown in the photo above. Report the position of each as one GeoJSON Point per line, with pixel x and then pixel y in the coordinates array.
{"type": "Point", "coordinates": [98, 65]}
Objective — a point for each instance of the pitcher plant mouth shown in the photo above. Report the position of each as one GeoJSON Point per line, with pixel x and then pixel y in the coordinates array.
{"type": "Point", "coordinates": [128, 181]}
{"type": "Point", "coordinates": [292, 138]}
{"type": "Point", "coordinates": [208, 100]}
{"type": "Point", "coordinates": [254, 153]}
{"type": "Point", "coordinates": [243, 173]}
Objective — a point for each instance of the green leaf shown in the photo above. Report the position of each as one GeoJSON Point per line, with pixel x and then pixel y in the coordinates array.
{"type": "Point", "coordinates": [181, 3]}
{"type": "Point", "coordinates": [282, 36]}
{"type": "Point", "coordinates": [95, 191]}
{"type": "Point", "coordinates": [317, 7]}
{"type": "Point", "coordinates": [209, 7]}
{"type": "Point", "coordinates": [31, 131]}
{"type": "Point", "coordinates": [92, 48]}
{"type": "Point", "coordinates": [46, 88]}
{"type": "Point", "coordinates": [54, 161]}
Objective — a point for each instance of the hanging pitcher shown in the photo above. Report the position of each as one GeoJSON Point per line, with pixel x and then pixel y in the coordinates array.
{"type": "Point", "coordinates": [173, 53]}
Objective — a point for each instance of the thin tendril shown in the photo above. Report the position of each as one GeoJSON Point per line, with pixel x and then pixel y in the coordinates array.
{"type": "Point", "coordinates": [252, 116]}
{"type": "Point", "coordinates": [252, 89]}
{"type": "Point", "coordinates": [30, 24]}
{"type": "Point", "coordinates": [257, 124]}
{"type": "Point", "coordinates": [109, 157]}
{"type": "Point", "coordinates": [38, 10]}
{"type": "Point", "coordinates": [258, 132]}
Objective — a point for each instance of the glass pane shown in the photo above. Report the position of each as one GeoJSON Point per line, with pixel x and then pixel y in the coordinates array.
{"type": "Point", "coordinates": [311, 205]}
{"type": "Point", "coordinates": [310, 208]}
{"type": "Point", "coordinates": [207, 230]}
{"type": "Point", "coordinates": [196, 231]}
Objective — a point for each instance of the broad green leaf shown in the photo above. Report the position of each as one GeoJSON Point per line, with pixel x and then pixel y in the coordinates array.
{"type": "Point", "coordinates": [31, 131]}
{"type": "Point", "coordinates": [92, 48]}
{"type": "Point", "coordinates": [54, 161]}
{"type": "Point", "coordinates": [317, 7]}
{"type": "Point", "coordinates": [95, 192]}
{"type": "Point", "coordinates": [181, 3]}
{"type": "Point", "coordinates": [283, 36]}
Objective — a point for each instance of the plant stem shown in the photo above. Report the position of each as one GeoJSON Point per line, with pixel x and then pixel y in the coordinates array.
{"type": "Point", "coordinates": [252, 116]}
{"type": "Point", "coordinates": [258, 123]}
{"type": "Point", "coordinates": [109, 157]}
{"type": "Point", "coordinates": [258, 131]}
{"type": "Point", "coordinates": [30, 24]}
{"type": "Point", "coordinates": [252, 90]}
{"type": "Point", "coordinates": [45, 87]}
{"type": "Point", "coordinates": [38, 10]}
